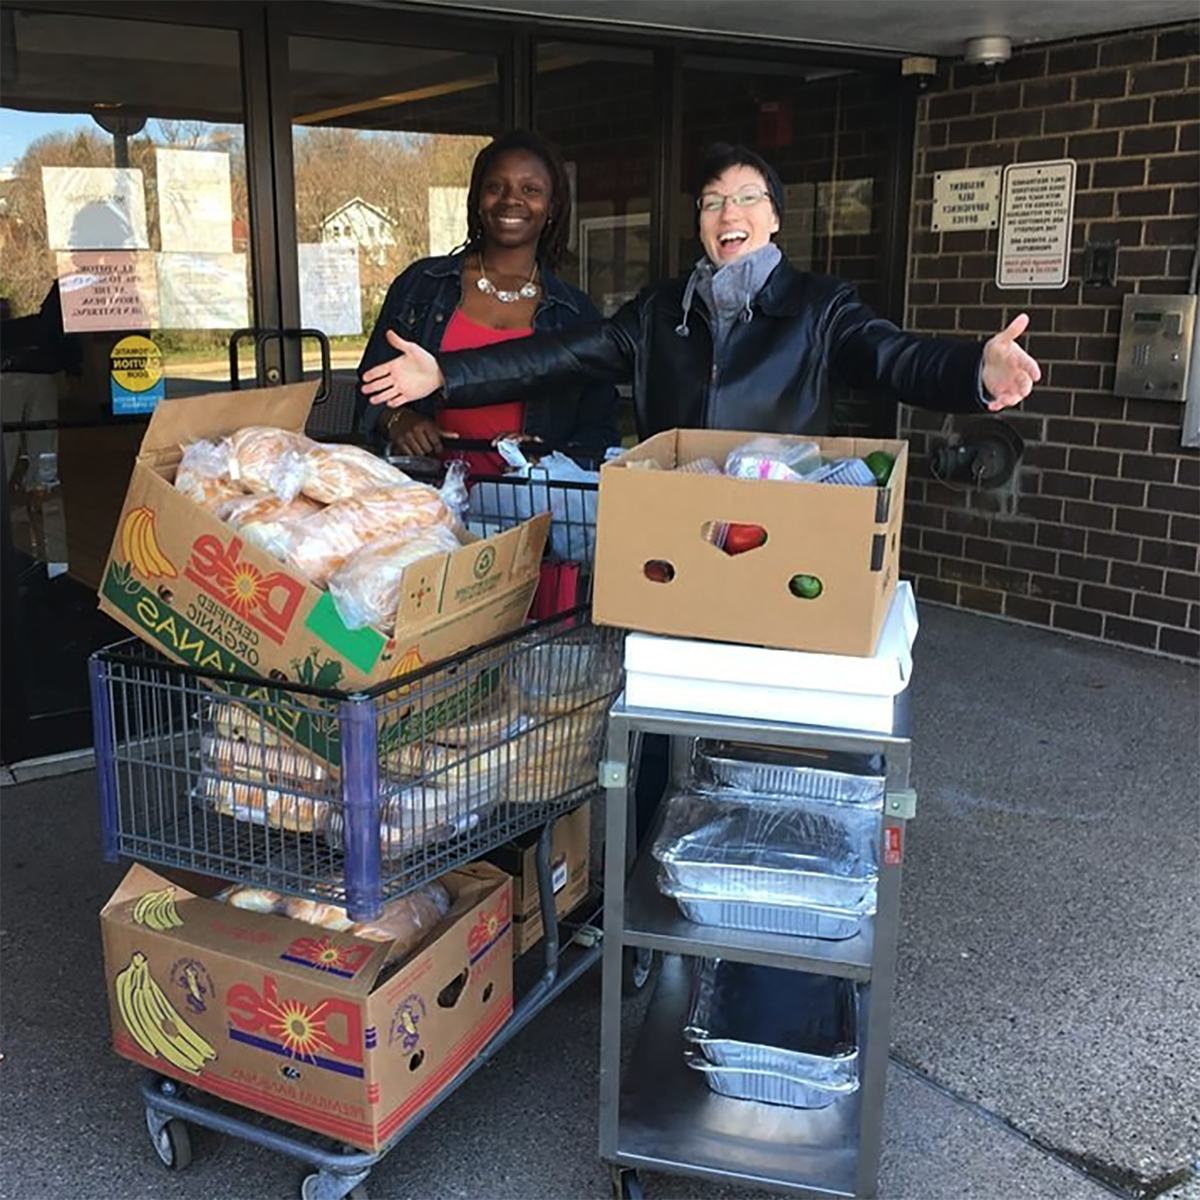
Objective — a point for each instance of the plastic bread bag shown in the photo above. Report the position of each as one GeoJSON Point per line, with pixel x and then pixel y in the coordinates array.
{"type": "Point", "coordinates": [261, 804]}
{"type": "Point", "coordinates": [336, 472]}
{"type": "Point", "coordinates": [409, 818]}
{"type": "Point", "coordinates": [407, 922]}
{"type": "Point", "coordinates": [366, 588]}
{"type": "Point", "coordinates": [773, 458]}
{"type": "Point", "coordinates": [318, 545]}
{"type": "Point", "coordinates": [203, 474]}
{"type": "Point", "coordinates": [263, 518]}
{"type": "Point", "coordinates": [265, 459]}
{"type": "Point", "coordinates": [252, 899]}
{"type": "Point", "coordinates": [256, 762]}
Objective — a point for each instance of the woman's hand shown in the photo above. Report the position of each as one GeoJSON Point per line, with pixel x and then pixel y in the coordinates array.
{"type": "Point", "coordinates": [415, 434]}
{"type": "Point", "coordinates": [412, 375]}
{"type": "Point", "coordinates": [1009, 373]}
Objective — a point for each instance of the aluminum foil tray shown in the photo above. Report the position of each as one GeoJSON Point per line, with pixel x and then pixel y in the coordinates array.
{"type": "Point", "coordinates": [768, 1087]}
{"type": "Point", "coordinates": [773, 1035]}
{"type": "Point", "coordinates": [767, 852]}
{"type": "Point", "coordinates": [748, 1017]}
{"type": "Point", "coordinates": [795, 920]}
{"type": "Point", "coordinates": [809, 774]}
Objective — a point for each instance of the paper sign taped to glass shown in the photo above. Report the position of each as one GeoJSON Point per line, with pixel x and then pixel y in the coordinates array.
{"type": "Point", "coordinates": [95, 208]}
{"type": "Point", "coordinates": [107, 289]}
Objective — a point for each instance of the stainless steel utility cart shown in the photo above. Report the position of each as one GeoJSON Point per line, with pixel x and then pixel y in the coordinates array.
{"type": "Point", "coordinates": [656, 1113]}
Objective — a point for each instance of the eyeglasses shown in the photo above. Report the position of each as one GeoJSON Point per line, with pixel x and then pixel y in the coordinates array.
{"type": "Point", "coordinates": [714, 202]}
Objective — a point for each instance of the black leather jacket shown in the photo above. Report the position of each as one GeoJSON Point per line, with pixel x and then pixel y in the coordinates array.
{"type": "Point", "coordinates": [773, 374]}
{"type": "Point", "coordinates": [579, 414]}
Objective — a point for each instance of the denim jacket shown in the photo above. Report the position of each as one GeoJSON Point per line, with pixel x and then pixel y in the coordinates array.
{"type": "Point", "coordinates": [419, 305]}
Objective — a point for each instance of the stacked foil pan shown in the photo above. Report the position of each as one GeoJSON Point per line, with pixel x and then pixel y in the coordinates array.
{"type": "Point", "coordinates": [771, 1035]}
{"type": "Point", "coordinates": [784, 842]}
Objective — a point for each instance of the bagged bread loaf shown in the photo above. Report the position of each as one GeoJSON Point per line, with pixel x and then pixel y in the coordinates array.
{"type": "Point", "coordinates": [366, 587]}
{"type": "Point", "coordinates": [259, 762]}
{"type": "Point", "coordinates": [318, 545]}
{"type": "Point", "coordinates": [252, 899]}
{"type": "Point", "coordinates": [336, 472]}
{"type": "Point", "coordinates": [407, 921]}
{"type": "Point", "coordinates": [203, 474]}
{"type": "Point", "coordinates": [263, 518]}
{"type": "Point", "coordinates": [317, 912]}
{"type": "Point", "coordinates": [262, 804]}
{"type": "Point", "coordinates": [265, 459]}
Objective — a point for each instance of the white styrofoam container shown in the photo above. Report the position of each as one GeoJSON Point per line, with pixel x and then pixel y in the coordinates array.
{"type": "Point", "coordinates": [723, 679]}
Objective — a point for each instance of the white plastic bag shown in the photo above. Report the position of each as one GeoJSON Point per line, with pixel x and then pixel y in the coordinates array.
{"type": "Point", "coordinates": [551, 485]}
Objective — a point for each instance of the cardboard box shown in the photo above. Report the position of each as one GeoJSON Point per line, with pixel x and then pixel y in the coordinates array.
{"type": "Point", "coordinates": [834, 690]}
{"type": "Point", "coordinates": [847, 537]}
{"type": "Point", "coordinates": [570, 862]}
{"type": "Point", "coordinates": [299, 1022]}
{"type": "Point", "coordinates": [213, 601]}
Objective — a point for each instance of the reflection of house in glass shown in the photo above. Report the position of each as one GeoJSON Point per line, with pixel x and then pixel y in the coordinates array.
{"type": "Point", "coordinates": [363, 224]}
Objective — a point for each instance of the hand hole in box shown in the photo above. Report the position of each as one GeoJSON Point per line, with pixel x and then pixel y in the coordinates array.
{"type": "Point", "coordinates": [487, 992]}
{"type": "Point", "coordinates": [450, 995]}
{"type": "Point", "coordinates": [733, 537]}
{"type": "Point", "coordinates": [417, 1059]}
{"type": "Point", "coordinates": [805, 587]}
{"type": "Point", "coordinates": [658, 570]}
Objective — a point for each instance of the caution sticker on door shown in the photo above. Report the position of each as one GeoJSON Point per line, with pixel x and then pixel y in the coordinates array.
{"type": "Point", "coordinates": [137, 376]}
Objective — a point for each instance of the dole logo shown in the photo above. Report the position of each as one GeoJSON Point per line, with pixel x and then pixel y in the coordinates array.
{"type": "Point", "coordinates": [267, 601]}
{"type": "Point", "coordinates": [489, 925]}
{"type": "Point", "coordinates": [328, 1029]}
{"type": "Point", "coordinates": [322, 953]}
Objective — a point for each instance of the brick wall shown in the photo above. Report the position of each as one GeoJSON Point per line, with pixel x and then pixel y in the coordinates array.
{"type": "Point", "coordinates": [1097, 533]}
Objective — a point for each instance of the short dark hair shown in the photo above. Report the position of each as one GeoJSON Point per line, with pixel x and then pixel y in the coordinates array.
{"type": "Point", "coordinates": [552, 245]}
{"type": "Point", "coordinates": [720, 156]}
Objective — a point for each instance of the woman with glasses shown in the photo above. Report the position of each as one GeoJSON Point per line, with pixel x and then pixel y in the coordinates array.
{"type": "Point", "coordinates": [497, 287]}
{"type": "Point", "coordinates": [745, 341]}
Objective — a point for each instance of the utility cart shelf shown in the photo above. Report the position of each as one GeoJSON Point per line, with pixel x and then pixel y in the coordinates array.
{"type": "Point", "coordinates": [659, 1114]}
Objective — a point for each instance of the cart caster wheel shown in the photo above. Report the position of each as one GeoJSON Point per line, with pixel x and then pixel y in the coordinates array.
{"type": "Point", "coordinates": [308, 1189]}
{"type": "Point", "coordinates": [637, 965]}
{"type": "Point", "coordinates": [172, 1143]}
{"type": "Point", "coordinates": [626, 1185]}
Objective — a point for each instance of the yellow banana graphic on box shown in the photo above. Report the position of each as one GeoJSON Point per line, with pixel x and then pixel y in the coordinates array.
{"type": "Point", "coordinates": [153, 1021]}
{"type": "Point", "coordinates": [139, 544]}
{"type": "Point", "coordinates": [156, 910]}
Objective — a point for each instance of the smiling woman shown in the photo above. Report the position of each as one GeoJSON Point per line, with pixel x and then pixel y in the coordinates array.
{"type": "Point", "coordinates": [497, 287]}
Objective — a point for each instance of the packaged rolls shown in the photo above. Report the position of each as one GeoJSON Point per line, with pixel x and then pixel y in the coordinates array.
{"type": "Point", "coordinates": [318, 545]}
{"type": "Point", "coordinates": [366, 588]}
{"type": "Point", "coordinates": [336, 472]}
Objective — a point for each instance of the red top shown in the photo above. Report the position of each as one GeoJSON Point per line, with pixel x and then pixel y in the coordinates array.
{"type": "Point", "coordinates": [489, 420]}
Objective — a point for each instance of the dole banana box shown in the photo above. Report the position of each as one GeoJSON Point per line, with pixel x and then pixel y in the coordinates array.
{"type": "Point", "coordinates": [186, 583]}
{"type": "Point", "coordinates": [300, 1022]}
{"type": "Point", "coordinates": [819, 573]}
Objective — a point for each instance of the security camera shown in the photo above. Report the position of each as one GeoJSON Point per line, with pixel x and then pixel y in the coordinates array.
{"type": "Point", "coordinates": [922, 69]}
{"type": "Point", "coordinates": [987, 51]}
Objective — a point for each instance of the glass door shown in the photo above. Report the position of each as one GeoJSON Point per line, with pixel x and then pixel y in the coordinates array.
{"type": "Point", "coordinates": [126, 231]}
{"type": "Point", "coordinates": [385, 122]}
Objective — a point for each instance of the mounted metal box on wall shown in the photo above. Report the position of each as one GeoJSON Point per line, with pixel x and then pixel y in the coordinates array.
{"type": "Point", "coordinates": [1156, 346]}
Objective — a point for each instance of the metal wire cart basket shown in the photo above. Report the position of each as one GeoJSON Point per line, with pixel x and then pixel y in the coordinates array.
{"type": "Point", "coordinates": [356, 799]}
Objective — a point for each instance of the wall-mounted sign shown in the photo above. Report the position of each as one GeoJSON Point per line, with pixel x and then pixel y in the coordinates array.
{"type": "Point", "coordinates": [137, 376]}
{"type": "Point", "coordinates": [966, 200]}
{"type": "Point", "coordinates": [1035, 224]}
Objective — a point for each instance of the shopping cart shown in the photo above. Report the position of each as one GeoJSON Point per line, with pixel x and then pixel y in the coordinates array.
{"type": "Point", "coordinates": [366, 797]}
